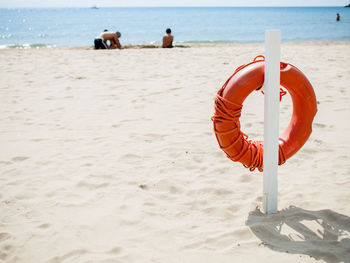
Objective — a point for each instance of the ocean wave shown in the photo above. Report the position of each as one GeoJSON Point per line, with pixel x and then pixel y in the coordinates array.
{"type": "Point", "coordinates": [26, 46]}
{"type": "Point", "coordinates": [219, 41]}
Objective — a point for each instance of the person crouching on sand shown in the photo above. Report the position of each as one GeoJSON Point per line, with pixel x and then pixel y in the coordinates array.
{"type": "Point", "coordinates": [113, 38]}
{"type": "Point", "coordinates": [168, 39]}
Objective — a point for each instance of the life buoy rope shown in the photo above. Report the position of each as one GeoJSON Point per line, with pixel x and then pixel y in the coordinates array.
{"type": "Point", "coordinates": [227, 127]}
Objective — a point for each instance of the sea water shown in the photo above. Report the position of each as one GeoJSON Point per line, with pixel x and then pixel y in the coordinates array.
{"type": "Point", "coordinates": [142, 25]}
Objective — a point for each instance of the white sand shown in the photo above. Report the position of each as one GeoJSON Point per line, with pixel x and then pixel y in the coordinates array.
{"type": "Point", "coordinates": [110, 156]}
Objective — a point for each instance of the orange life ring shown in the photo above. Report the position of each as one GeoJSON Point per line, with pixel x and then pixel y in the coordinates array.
{"type": "Point", "coordinates": [228, 106]}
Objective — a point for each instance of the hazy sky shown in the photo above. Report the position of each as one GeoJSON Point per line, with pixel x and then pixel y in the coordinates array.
{"type": "Point", "coordinates": [105, 3]}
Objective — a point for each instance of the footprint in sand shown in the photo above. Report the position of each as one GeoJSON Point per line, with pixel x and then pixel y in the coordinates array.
{"type": "Point", "coordinates": [115, 250]}
{"type": "Point", "coordinates": [19, 158]}
{"type": "Point", "coordinates": [320, 125]}
{"type": "Point", "coordinates": [310, 150]}
{"type": "Point", "coordinates": [5, 163]}
{"type": "Point", "coordinates": [4, 236]}
{"type": "Point", "coordinates": [116, 125]}
{"type": "Point", "coordinates": [130, 157]}
{"type": "Point", "coordinates": [245, 178]}
{"type": "Point", "coordinates": [43, 226]}
{"type": "Point", "coordinates": [318, 141]}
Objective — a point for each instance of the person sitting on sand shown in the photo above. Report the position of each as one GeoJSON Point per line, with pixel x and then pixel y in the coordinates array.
{"type": "Point", "coordinates": [101, 41]}
{"type": "Point", "coordinates": [168, 39]}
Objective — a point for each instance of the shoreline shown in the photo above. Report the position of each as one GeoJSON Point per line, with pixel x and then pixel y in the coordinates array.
{"type": "Point", "coordinates": [180, 45]}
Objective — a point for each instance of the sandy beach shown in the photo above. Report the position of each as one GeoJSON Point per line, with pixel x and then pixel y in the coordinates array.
{"type": "Point", "coordinates": [110, 156]}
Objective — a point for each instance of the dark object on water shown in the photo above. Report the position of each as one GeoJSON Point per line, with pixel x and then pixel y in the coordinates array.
{"type": "Point", "coordinates": [338, 17]}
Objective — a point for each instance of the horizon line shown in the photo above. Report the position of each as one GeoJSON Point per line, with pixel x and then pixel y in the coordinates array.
{"type": "Point", "coordinates": [95, 6]}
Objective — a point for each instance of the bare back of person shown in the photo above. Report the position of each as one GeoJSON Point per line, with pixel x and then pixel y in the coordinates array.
{"type": "Point", "coordinates": [168, 41]}
{"type": "Point", "coordinates": [112, 37]}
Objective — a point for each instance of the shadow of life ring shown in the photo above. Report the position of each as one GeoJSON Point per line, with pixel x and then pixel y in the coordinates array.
{"type": "Point", "coordinates": [228, 106]}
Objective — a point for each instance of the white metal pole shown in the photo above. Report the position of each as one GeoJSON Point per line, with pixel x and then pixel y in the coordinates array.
{"type": "Point", "coordinates": [271, 119]}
